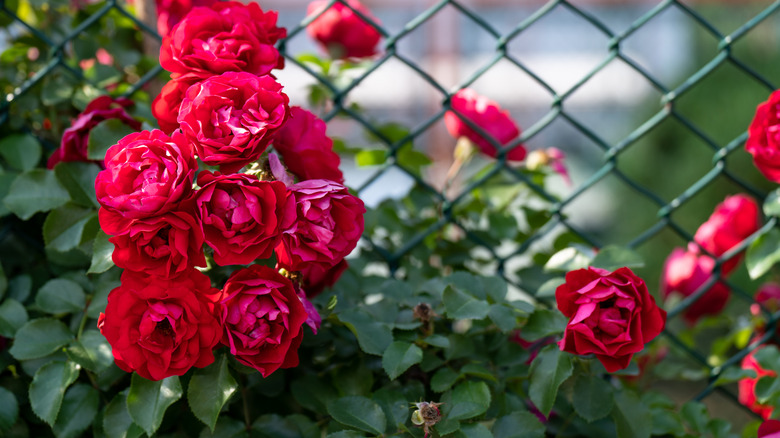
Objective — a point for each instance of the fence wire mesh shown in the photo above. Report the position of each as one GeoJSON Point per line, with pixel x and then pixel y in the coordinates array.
{"type": "Point", "coordinates": [668, 209]}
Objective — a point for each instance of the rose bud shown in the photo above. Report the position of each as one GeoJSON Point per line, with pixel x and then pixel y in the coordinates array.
{"type": "Point", "coordinates": [165, 107]}
{"type": "Point", "coordinates": [769, 429]}
{"type": "Point", "coordinates": [341, 32]}
{"type": "Point", "coordinates": [147, 174]}
{"type": "Point", "coordinates": [161, 327]}
{"type": "Point", "coordinates": [611, 315]}
{"type": "Point", "coordinates": [763, 141]}
{"type": "Point", "coordinates": [242, 218]}
{"type": "Point", "coordinates": [747, 386]}
{"type": "Point", "coordinates": [228, 36]}
{"type": "Point", "coordinates": [733, 221]}
{"type": "Point", "coordinates": [75, 139]}
{"type": "Point", "coordinates": [489, 117]}
{"type": "Point", "coordinates": [306, 149]}
{"type": "Point", "coordinates": [231, 118]}
{"type": "Point", "coordinates": [329, 225]}
{"type": "Point", "coordinates": [686, 271]}
{"type": "Point", "coordinates": [170, 12]}
{"type": "Point", "coordinates": [263, 319]}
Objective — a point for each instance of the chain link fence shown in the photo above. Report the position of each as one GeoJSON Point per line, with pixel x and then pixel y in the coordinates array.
{"type": "Point", "coordinates": [669, 221]}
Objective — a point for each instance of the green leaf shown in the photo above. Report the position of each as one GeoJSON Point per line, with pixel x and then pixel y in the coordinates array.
{"type": "Point", "coordinates": [68, 227]}
{"type": "Point", "coordinates": [13, 315]}
{"type": "Point", "coordinates": [78, 411]}
{"type": "Point", "coordinates": [570, 259]}
{"type": "Point", "coordinates": [21, 151]}
{"type": "Point", "coordinates": [632, 418]}
{"type": "Point", "coordinates": [763, 253]}
{"type": "Point", "coordinates": [518, 425]}
{"type": "Point", "coordinates": [148, 400]}
{"type": "Point", "coordinates": [460, 305]}
{"type": "Point", "coordinates": [345, 434]}
{"type": "Point", "coordinates": [695, 415]}
{"type": "Point", "coordinates": [734, 374]}
{"type": "Point", "coordinates": [394, 405]}
{"type": "Point", "coordinates": [399, 356]}
{"type": "Point", "coordinates": [772, 203]}
{"type": "Point", "coordinates": [61, 296]}
{"type": "Point", "coordinates": [6, 180]}
{"type": "Point", "coordinates": [116, 419]}
{"type": "Point", "coordinates": [312, 393]}
{"type": "Point", "coordinates": [547, 289]}
{"type": "Point", "coordinates": [443, 379]}
{"type": "Point", "coordinates": [35, 191]}
{"type": "Point", "coordinates": [548, 370]}
{"type": "Point", "coordinates": [358, 412]}
{"type": "Point", "coordinates": [48, 388]}
{"type": "Point", "coordinates": [475, 430]}
{"type": "Point", "coordinates": [411, 159]}
{"type": "Point", "coordinates": [92, 351]}
{"type": "Point", "coordinates": [370, 157]}
{"type": "Point", "coordinates": [209, 390]}
{"type": "Point", "coordinates": [469, 399]}
{"type": "Point", "coordinates": [373, 337]}
{"type": "Point", "coordinates": [504, 317]}
{"type": "Point", "coordinates": [79, 180]}
{"type": "Point", "coordinates": [768, 357]}
{"type": "Point", "coordinates": [101, 254]}
{"type": "Point", "coordinates": [592, 397]}
{"type": "Point", "coordinates": [227, 428]}
{"type": "Point", "coordinates": [9, 409]}
{"type": "Point", "coordinates": [104, 135]}
{"type": "Point", "coordinates": [543, 323]}
{"type": "Point", "coordinates": [40, 337]}
{"type": "Point", "coordinates": [437, 341]}
{"type": "Point", "coordinates": [276, 426]}
{"type": "Point", "coordinates": [613, 257]}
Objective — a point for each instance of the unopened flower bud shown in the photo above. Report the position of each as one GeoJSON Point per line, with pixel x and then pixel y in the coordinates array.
{"type": "Point", "coordinates": [426, 415]}
{"type": "Point", "coordinates": [464, 149]}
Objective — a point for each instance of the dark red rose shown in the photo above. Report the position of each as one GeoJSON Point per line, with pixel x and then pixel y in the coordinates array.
{"type": "Point", "coordinates": [231, 118]}
{"type": "Point", "coordinates": [75, 139]}
{"type": "Point", "coordinates": [341, 31]}
{"type": "Point", "coordinates": [317, 277]}
{"type": "Point", "coordinates": [242, 218]}
{"type": "Point", "coordinates": [161, 327]}
{"type": "Point", "coordinates": [768, 297]}
{"type": "Point", "coordinates": [611, 315]}
{"type": "Point", "coordinates": [487, 115]}
{"type": "Point", "coordinates": [747, 386]}
{"type": "Point", "coordinates": [228, 36]}
{"type": "Point", "coordinates": [306, 149]}
{"type": "Point", "coordinates": [733, 221]}
{"type": "Point", "coordinates": [684, 272]}
{"type": "Point", "coordinates": [166, 105]}
{"type": "Point", "coordinates": [147, 174]}
{"type": "Point", "coordinates": [763, 141]}
{"type": "Point", "coordinates": [262, 318]}
{"type": "Point", "coordinates": [170, 12]}
{"type": "Point", "coordinates": [769, 429]}
{"type": "Point", "coordinates": [330, 223]}
{"type": "Point", "coordinates": [164, 245]}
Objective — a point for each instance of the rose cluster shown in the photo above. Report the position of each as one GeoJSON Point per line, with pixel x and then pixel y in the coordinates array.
{"type": "Point", "coordinates": [222, 108]}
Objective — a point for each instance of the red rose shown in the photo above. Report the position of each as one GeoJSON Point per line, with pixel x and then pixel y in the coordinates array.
{"type": "Point", "coordinates": [166, 105]}
{"type": "Point", "coordinates": [170, 12]}
{"type": "Point", "coordinates": [733, 221]}
{"type": "Point", "coordinates": [747, 386]}
{"type": "Point", "coordinates": [160, 327]}
{"type": "Point", "coordinates": [611, 315]}
{"type": "Point", "coordinates": [163, 245]}
{"type": "Point", "coordinates": [769, 429]}
{"type": "Point", "coordinates": [684, 272]}
{"type": "Point", "coordinates": [768, 296]}
{"type": "Point", "coordinates": [317, 277]}
{"type": "Point", "coordinates": [231, 118]}
{"type": "Point", "coordinates": [147, 174]}
{"type": "Point", "coordinates": [228, 36]}
{"type": "Point", "coordinates": [763, 141]}
{"type": "Point", "coordinates": [487, 115]}
{"type": "Point", "coordinates": [75, 139]}
{"type": "Point", "coordinates": [329, 225]}
{"type": "Point", "coordinates": [341, 31]}
{"type": "Point", "coordinates": [242, 218]}
{"type": "Point", "coordinates": [263, 319]}
{"type": "Point", "coordinates": [306, 149]}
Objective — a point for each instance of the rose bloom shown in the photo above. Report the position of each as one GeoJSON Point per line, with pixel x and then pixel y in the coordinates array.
{"type": "Point", "coordinates": [317, 277]}
{"type": "Point", "coordinates": [341, 31]}
{"type": "Point", "coordinates": [170, 12]}
{"type": "Point", "coordinates": [262, 318]}
{"type": "Point", "coordinates": [147, 174]}
{"type": "Point", "coordinates": [231, 118]}
{"type": "Point", "coordinates": [75, 139]}
{"type": "Point", "coordinates": [733, 220]}
{"type": "Point", "coordinates": [769, 429]}
{"type": "Point", "coordinates": [161, 327]}
{"type": "Point", "coordinates": [747, 386]}
{"type": "Point", "coordinates": [242, 218]}
{"type": "Point", "coordinates": [684, 272]}
{"type": "Point", "coordinates": [329, 225]}
{"type": "Point", "coordinates": [487, 115]}
{"type": "Point", "coordinates": [763, 141]}
{"type": "Point", "coordinates": [165, 107]}
{"type": "Point", "coordinates": [163, 245]}
{"type": "Point", "coordinates": [306, 149]}
{"type": "Point", "coordinates": [768, 296]}
{"type": "Point", "coordinates": [611, 315]}
{"type": "Point", "coordinates": [228, 36]}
